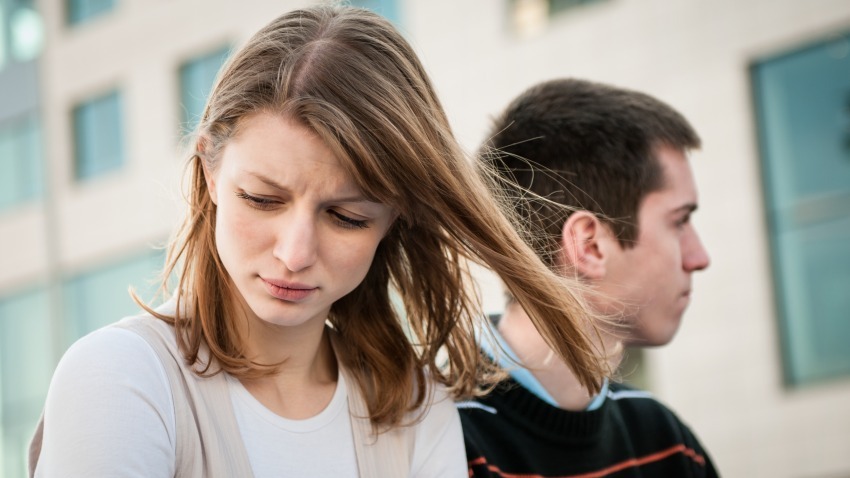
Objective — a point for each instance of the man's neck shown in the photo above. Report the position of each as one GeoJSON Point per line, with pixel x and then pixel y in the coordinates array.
{"type": "Point", "coordinates": [546, 366]}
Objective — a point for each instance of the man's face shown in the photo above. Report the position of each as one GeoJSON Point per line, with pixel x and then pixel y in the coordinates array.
{"type": "Point", "coordinates": [652, 280]}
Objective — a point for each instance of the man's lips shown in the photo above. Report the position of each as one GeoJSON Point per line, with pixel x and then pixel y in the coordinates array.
{"type": "Point", "coordinates": [288, 291]}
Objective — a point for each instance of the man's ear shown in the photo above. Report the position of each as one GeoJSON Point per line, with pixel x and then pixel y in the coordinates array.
{"type": "Point", "coordinates": [209, 178]}
{"type": "Point", "coordinates": [584, 245]}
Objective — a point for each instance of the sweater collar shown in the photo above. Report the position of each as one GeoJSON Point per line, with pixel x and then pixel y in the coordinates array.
{"type": "Point", "coordinates": [527, 410]}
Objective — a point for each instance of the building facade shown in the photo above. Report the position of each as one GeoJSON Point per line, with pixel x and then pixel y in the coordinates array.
{"type": "Point", "coordinates": [96, 97]}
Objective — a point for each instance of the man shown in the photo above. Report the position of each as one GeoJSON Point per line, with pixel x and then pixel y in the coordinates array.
{"type": "Point", "coordinates": [618, 159]}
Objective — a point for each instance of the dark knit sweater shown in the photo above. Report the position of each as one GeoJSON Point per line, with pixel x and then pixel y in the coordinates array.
{"type": "Point", "coordinates": [513, 433]}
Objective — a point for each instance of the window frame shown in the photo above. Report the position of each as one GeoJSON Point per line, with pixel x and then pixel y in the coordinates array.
{"type": "Point", "coordinates": [797, 368]}
{"type": "Point", "coordinates": [188, 124]}
{"type": "Point", "coordinates": [83, 167]}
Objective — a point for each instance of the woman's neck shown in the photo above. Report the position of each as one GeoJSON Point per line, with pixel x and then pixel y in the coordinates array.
{"type": "Point", "coordinates": [306, 374]}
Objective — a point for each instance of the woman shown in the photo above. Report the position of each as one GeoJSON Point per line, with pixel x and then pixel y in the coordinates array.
{"type": "Point", "coordinates": [324, 172]}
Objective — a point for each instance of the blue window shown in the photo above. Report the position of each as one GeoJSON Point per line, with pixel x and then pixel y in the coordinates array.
{"type": "Point", "coordinates": [196, 81]}
{"type": "Point", "coordinates": [389, 9]}
{"type": "Point", "coordinates": [99, 297]}
{"type": "Point", "coordinates": [80, 11]}
{"type": "Point", "coordinates": [26, 365]}
{"type": "Point", "coordinates": [802, 103]}
{"type": "Point", "coordinates": [21, 174]}
{"type": "Point", "coordinates": [98, 136]}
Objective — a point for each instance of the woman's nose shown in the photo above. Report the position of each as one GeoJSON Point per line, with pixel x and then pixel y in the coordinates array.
{"type": "Point", "coordinates": [297, 242]}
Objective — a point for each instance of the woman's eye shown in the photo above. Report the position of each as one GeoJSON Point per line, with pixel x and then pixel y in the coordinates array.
{"type": "Point", "coordinates": [257, 202]}
{"type": "Point", "coordinates": [347, 222]}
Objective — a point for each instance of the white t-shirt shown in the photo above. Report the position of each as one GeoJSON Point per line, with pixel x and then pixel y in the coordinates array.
{"type": "Point", "coordinates": [109, 412]}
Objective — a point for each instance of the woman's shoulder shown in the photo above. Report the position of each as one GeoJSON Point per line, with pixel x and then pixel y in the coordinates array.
{"type": "Point", "coordinates": [438, 408]}
{"type": "Point", "coordinates": [111, 399]}
{"type": "Point", "coordinates": [128, 336]}
{"type": "Point", "coordinates": [108, 351]}
{"type": "Point", "coordinates": [118, 357]}
{"type": "Point", "coordinates": [438, 449]}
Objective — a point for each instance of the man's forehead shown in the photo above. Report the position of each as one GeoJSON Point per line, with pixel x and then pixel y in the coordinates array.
{"type": "Point", "coordinates": [674, 197]}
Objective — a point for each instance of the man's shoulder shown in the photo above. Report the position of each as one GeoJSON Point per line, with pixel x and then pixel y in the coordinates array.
{"type": "Point", "coordinates": [511, 431]}
{"type": "Point", "coordinates": [630, 429]}
{"type": "Point", "coordinates": [641, 405]}
{"type": "Point", "coordinates": [651, 422]}
{"type": "Point", "coordinates": [485, 430]}
{"type": "Point", "coordinates": [492, 409]}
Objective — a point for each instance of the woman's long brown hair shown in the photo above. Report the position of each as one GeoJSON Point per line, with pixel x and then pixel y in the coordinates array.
{"type": "Point", "coordinates": [349, 76]}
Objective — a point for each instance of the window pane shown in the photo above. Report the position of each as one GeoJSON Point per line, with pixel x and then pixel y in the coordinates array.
{"type": "Point", "coordinates": [803, 109]}
{"type": "Point", "coordinates": [815, 275]}
{"type": "Point", "coordinates": [83, 10]}
{"type": "Point", "coordinates": [100, 297]}
{"type": "Point", "coordinates": [26, 365]}
{"type": "Point", "coordinates": [196, 81]}
{"type": "Point", "coordinates": [20, 161]}
{"type": "Point", "coordinates": [98, 136]}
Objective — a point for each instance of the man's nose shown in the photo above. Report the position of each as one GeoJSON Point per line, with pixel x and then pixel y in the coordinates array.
{"type": "Point", "coordinates": [694, 255]}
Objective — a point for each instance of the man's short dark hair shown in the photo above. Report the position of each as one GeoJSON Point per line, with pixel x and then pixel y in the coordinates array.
{"type": "Point", "coordinates": [585, 145]}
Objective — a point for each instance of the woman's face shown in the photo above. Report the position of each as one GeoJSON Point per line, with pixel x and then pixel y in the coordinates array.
{"type": "Point", "coordinates": [292, 229]}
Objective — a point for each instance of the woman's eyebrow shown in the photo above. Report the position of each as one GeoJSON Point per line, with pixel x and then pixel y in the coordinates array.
{"type": "Point", "coordinates": [267, 181]}
{"type": "Point", "coordinates": [351, 199]}
{"type": "Point", "coordinates": [354, 198]}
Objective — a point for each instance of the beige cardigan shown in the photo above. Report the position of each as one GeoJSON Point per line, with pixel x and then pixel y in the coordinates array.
{"type": "Point", "coordinates": [208, 440]}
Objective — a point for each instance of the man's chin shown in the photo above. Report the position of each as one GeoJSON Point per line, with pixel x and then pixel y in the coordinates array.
{"type": "Point", "coordinates": [653, 338]}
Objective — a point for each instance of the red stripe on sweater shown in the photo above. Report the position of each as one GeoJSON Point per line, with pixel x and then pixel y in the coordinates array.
{"type": "Point", "coordinates": [630, 463]}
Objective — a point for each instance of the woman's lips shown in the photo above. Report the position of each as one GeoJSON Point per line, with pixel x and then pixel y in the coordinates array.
{"type": "Point", "coordinates": [289, 291]}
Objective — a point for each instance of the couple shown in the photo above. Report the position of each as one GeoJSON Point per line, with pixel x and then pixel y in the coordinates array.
{"type": "Point", "coordinates": [324, 173]}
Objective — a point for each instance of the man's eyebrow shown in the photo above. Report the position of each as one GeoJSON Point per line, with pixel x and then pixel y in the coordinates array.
{"type": "Point", "coordinates": [688, 208]}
